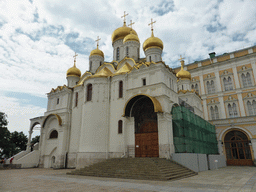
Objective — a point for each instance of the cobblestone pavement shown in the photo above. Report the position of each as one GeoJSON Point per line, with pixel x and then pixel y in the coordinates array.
{"type": "Point", "coordinates": [224, 179]}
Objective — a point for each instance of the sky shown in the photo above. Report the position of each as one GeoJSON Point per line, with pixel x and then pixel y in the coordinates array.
{"type": "Point", "coordinates": [39, 38]}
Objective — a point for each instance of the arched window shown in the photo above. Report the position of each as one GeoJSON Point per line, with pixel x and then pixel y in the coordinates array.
{"type": "Point", "coordinates": [232, 110]}
{"type": "Point", "coordinates": [216, 113]}
{"type": "Point", "coordinates": [250, 109]}
{"type": "Point", "coordinates": [149, 58]}
{"type": "Point", "coordinates": [117, 53]}
{"type": "Point", "coordinates": [244, 80]}
{"type": "Point", "coordinates": [212, 86]}
{"type": "Point", "coordinates": [120, 126]}
{"type": "Point", "coordinates": [192, 87]}
{"type": "Point", "coordinates": [196, 88]}
{"type": "Point", "coordinates": [127, 51]}
{"type": "Point", "coordinates": [138, 52]}
{"type": "Point", "coordinates": [89, 92]}
{"type": "Point", "coordinates": [54, 134]}
{"type": "Point", "coordinates": [120, 89]}
{"type": "Point", "coordinates": [58, 101]}
{"type": "Point", "coordinates": [90, 66]}
{"type": "Point", "coordinates": [248, 78]}
{"type": "Point", "coordinates": [100, 63]}
{"type": "Point", "coordinates": [212, 113]}
{"type": "Point", "coordinates": [225, 82]}
{"type": "Point", "coordinates": [182, 87]}
{"type": "Point", "coordinates": [254, 106]}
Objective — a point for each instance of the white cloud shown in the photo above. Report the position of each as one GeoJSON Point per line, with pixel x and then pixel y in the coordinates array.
{"type": "Point", "coordinates": [38, 40]}
{"type": "Point", "coordinates": [18, 115]}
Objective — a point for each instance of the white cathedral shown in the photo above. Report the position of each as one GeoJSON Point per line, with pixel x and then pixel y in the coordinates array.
{"type": "Point", "coordinates": [123, 108]}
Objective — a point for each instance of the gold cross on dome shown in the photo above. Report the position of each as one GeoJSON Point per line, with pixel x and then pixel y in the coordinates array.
{"type": "Point", "coordinates": [75, 58]}
{"type": "Point", "coordinates": [97, 40]}
{"type": "Point", "coordinates": [124, 16]}
{"type": "Point", "coordinates": [132, 23]}
{"type": "Point", "coordinates": [152, 22]}
{"type": "Point", "coordinates": [181, 58]}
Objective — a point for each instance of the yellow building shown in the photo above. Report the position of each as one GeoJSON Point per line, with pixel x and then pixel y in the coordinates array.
{"type": "Point", "coordinates": [226, 84]}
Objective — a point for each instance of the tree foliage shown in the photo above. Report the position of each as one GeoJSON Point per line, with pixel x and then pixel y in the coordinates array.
{"type": "Point", "coordinates": [10, 143]}
{"type": "Point", "coordinates": [35, 140]}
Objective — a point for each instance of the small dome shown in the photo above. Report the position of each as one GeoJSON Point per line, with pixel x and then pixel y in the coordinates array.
{"type": "Point", "coordinates": [73, 71]}
{"type": "Point", "coordinates": [131, 37]}
{"type": "Point", "coordinates": [121, 32]}
{"type": "Point", "coordinates": [153, 42]}
{"type": "Point", "coordinates": [183, 74]}
{"type": "Point", "coordinates": [97, 52]}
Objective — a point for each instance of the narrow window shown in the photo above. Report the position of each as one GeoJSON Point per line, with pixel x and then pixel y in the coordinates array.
{"type": "Point", "coordinates": [120, 126]}
{"type": "Point", "coordinates": [216, 113]}
{"type": "Point", "coordinates": [250, 109]}
{"type": "Point", "coordinates": [244, 80]}
{"type": "Point", "coordinates": [212, 86]}
{"type": "Point", "coordinates": [212, 113]}
{"type": "Point", "coordinates": [100, 63]}
{"type": "Point", "coordinates": [90, 66]}
{"type": "Point", "coordinates": [58, 101]}
{"type": "Point", "coordinates": [192, 87]}
{"type": "Point", "coordinates": [76, 99]}
{"type": "Point", "coordinates": [143, 82]}
{"type": "Point", "coordinates": [196, 88]}
{"type": "Point", "coordinates": [182, 87]}
{"type": "Point", "coordinates": [225, 82]}
{"type": "Point", "coordinates": [149, 58]}
{"type": "Point", "coordinates": [234, 110]}
{"type": "Point", "coordinates": [230, 111]}
{"type": "Point", "coordinates": [249, 81]}
{"type": "Point", "coordinates": [254, 106]}
{"type": "Point", "coordinates": [208, 85]}
{"type": "Point", "coordinates": [138, 52]}
{"type": "Point", "coordinates": [117, 53]}
{"type": "Point", "coordinates": [54, 134]}
{"type": "Point", "coordinates": [230, 86]}
{"type": "Point", "coordinates": [127, 51]}
{"type": "Point", "coordinates": [89, 92]}
{"type": "Point", "coordinates": [120, 89]}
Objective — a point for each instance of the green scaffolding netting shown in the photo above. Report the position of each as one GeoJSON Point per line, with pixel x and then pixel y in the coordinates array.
{"type": "Point", "coordinates": [192, 134]}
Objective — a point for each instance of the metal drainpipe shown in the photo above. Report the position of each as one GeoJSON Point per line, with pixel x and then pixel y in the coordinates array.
{"type": "Point", "coordinates": [108, 116]}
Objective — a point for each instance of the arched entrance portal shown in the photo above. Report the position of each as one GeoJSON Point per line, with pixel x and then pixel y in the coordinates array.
{"type": "Point", "coordinates": [237, 148]}
{"type": "Point", "coordinates": [143, 110]}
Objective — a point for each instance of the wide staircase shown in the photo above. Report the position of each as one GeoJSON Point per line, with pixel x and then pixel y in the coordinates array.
{"type": "Point", "coordinates": [136, 168]}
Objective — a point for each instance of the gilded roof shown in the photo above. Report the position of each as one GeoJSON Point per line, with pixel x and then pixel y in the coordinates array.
{"type": "Point", "coordinates": [121, 32]}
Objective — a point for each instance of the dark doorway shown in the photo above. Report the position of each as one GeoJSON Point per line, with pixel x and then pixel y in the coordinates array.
{"type": "Point", "coordinates": [237, 149]}
{"type": "Point", "coordinates": [146, 129]}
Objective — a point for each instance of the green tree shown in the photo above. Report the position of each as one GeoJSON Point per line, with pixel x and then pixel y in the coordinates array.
{"type": "Point", "coordinates": [20, 140]}
{"type": "Point", "coordinates": [4, 136]}
{"type": "Point", "coordinates": [10, 143]}
{"type": "Point", "coordinates": [35, 139]}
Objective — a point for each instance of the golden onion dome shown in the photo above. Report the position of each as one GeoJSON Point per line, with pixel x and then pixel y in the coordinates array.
{"type": "Point", "coordinates": [152, 42]}
{"type": "Point", "coordinates": [97, 52]}
{"type": "Point", "coordinates": [183, 74]}
{"type": "Point", "coordinates": [73, 71]}
{"type": "Point", "coordinates": [121, 32]}
{"type": "Point", "coordinates": [131, 37]}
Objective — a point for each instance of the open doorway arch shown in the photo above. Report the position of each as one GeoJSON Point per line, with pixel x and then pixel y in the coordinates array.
{"type": "Point", "coordinates": [144, 110]}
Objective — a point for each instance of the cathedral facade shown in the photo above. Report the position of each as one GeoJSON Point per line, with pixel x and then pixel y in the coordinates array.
{"type": "Point", "coordinates": [123, 108]}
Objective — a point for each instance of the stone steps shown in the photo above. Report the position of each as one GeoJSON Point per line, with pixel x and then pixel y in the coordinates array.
{"type": "Point", "coordinates": [136, 168]}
